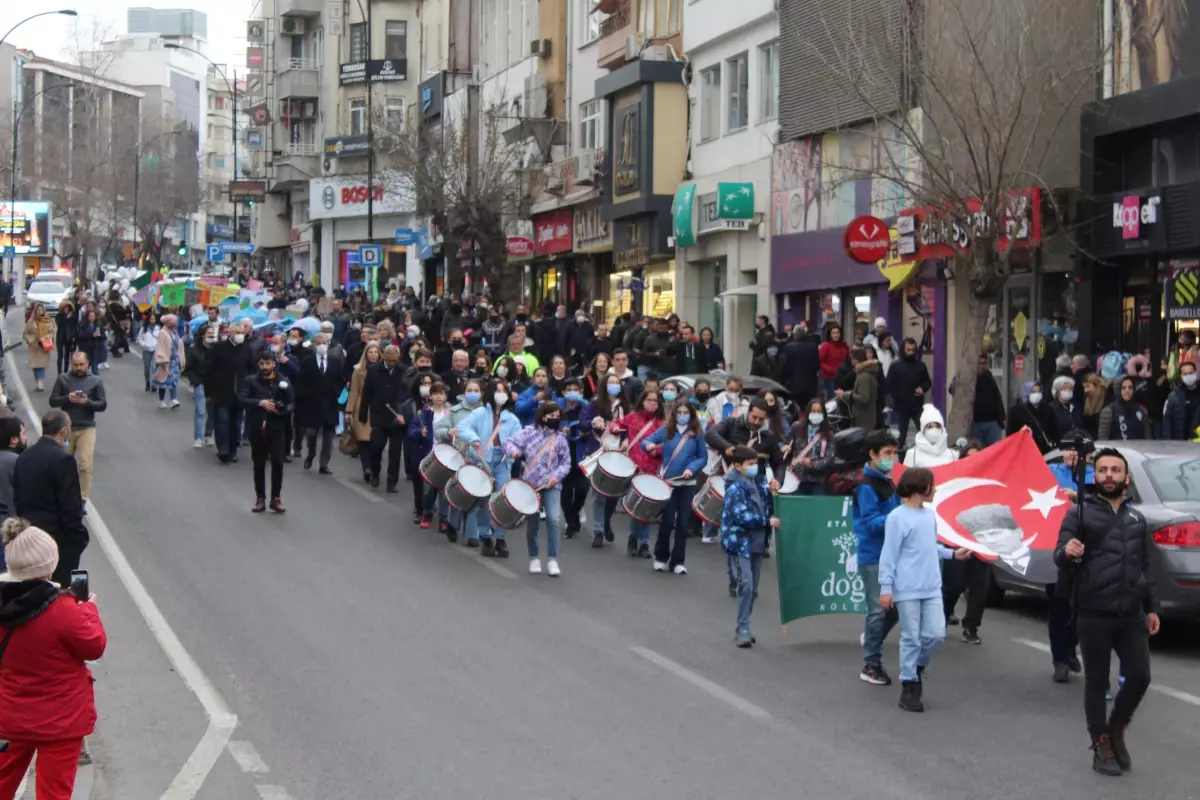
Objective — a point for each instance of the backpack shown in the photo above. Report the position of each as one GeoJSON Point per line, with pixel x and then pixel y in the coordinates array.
{"type": "Point", "coordinates": [1112, 365]}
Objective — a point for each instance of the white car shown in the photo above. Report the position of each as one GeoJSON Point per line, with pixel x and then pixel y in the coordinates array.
{"type": "Point", "coordinates": [50, 293]}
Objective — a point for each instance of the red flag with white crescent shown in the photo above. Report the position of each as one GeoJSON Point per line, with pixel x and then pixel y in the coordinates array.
{"type": "Point", "coordinates": [1004, 505]}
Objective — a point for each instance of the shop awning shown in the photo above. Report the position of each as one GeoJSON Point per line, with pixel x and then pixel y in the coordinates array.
{"type": "Point", "coordinates": [742, 291]}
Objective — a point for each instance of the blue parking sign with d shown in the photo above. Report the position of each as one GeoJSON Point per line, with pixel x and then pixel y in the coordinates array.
{"type": "Point", "coordinates": [370, 255]}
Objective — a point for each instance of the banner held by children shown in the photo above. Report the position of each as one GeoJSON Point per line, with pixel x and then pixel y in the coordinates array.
{"type": "Point", "coordinates": [816, 558]}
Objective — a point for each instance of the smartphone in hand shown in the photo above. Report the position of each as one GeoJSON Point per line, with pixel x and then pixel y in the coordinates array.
{"type": "Point", "coordinates": [79, 585]}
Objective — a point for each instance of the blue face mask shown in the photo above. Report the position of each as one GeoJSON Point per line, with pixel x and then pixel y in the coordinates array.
{"type": "Point", "coordinates": [573, 397]}
{"type": "Point", "coordinates": [472, 397]}
{"type": "Point", "coordinates": [670, 396]}
{"type": "Point", "coordinates": [682, 420]}
{"type": "Point", "coordinates": [771, 351]}
{"type": "Point", "coordinates": [751, 471]}
{"type": "Point", "coordinates": [614, 389]}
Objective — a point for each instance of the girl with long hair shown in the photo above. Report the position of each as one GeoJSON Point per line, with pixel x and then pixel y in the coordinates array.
{"type": "Point", "coordinates": [679, 443]}
{"type": "Point", "coordinates": [547, 460]}
{"type": "Point", "coordinates": [485, 431]}
{"type": "Point", "coordinates": [810, 454]}
{"type": "Point", "coordinates": [642, 423]}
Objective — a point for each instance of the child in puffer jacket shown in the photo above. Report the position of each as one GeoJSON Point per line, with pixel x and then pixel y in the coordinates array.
{"type": "Point", "coordinates": [745, 518]}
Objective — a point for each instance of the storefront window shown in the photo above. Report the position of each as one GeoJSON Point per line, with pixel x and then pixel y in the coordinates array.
{"type": "Point", "coordinates": [830, 312]}
{"type": "Point", "coordinates": [660, 290]}
{"type": "Point", "coordinates": [1057, 327]}
{"type": "Point", "coordinates": [863, 318]}
{"type": "Point", "coordinates": [617, 300]}
{"type": "Point", "coordinates": [1017, 354]}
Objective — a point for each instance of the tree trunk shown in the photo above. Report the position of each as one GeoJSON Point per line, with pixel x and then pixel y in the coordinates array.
{"type": "Point", "coordinates": [962, 405]}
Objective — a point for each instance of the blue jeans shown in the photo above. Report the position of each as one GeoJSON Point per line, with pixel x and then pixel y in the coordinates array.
{"type": "Point", "coordinates": [987, 433]}
{"type": "Point", "coordinates": [228, 429]}
{"type": "Point", "coordinates": [830, 388]}
{"type": "Point", "coordinates": [878, 623]}
{"type": "Point", "coordinates": [639, 531]}
{"type": "Point", "coordinates": [147, 365]}
{"type": "Point", "coordinates": [552, 502]}
{"type": "Point", "coordinates": [603, 509]}
{"type": "Point", "coordinates": [922, 628]}
{"type": "Point", "coordinates": [39, 373]}
{"type": "Point", "coordinates": [103, 347]}
{"type": "Point", "coordinates": [749, 570]}
{"type": "Point", "coordinates": [479, 524]}
{"type": "Point", "coordinates": [202, 421]}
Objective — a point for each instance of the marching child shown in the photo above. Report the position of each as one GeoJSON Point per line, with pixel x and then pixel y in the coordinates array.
{"type": "Point", "coordinates": [747, 515]}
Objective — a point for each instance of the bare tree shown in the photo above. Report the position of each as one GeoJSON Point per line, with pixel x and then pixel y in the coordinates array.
{"type": "Point", "coordinates": [168, 183]}
{"type": "Point", "coordinates": [972, 106]}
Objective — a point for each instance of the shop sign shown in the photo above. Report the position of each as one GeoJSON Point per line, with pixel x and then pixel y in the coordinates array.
{"type": "Point", "coordinates": [346, 146]}
{"type": "Point", "coordinates": [255, 138]}
{"type": "Point", "coordinates": [552, 233]}
{"type": "Point", "coordinates": [629, 140]}
{"type": "Point", "coordinates": [247, 190]}
{"type": "Point", "coordinates": [931, 235]}
{"type": "Point", "coordinates": [867, 240]}
{"type": "Point", "coordinates": [1183, 295]}
{"type": "Point", "coordinates": [681, 216]}
{"type": "Point", "coordinates": [339, 196]}
{"type": "Point", "coordinates": [632, 249]}
{"type": "Point", "coordinates": [592, 232]}
{"type": "Point", "coordinates": [376, 71]}
{"type": "Point", "coordinates": [1130, 214]}
{"type": "Point", "coordinates": [431, 94]}
{"type": "Point", "coordinates": [518, 246]}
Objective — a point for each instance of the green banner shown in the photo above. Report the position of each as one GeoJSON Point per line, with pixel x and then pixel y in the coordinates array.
{"type": "Point", "coordinates": [735, 200]}
{"type": "Point", "coordinates": [816, 556]}
{"type": "Point", "coordinates": [172, 295]}
{"type": "Point", "coordinates": [682, 217]}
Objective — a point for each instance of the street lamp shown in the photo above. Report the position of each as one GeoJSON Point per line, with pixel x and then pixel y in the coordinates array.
{"type": "Point", "coordinates": [137, 176]}
{"type": "Point", "coordinates": [66, 12]}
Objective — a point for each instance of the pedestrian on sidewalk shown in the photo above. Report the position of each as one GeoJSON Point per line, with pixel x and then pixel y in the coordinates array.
{"type": "Point", "coordinates": [81, 395]}
{"type": "Point", "coordinates": [147, 341]}
{"type": "Point", "coordinates": [47, 636]}
{"type": "Point", "coordinates": [268, 399]}
{"type": "Point", "coordinates": [747, 516]}
{"type": "Point", "coordinates": [39, 336]}
{"type": "Point", "coordinates": [169, 361]}
{"type": "Point", "coordinates": [910, 579]}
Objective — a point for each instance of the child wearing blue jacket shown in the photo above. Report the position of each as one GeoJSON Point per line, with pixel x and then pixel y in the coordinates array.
{"type": "Point", "coordinates": [429, 406]}
{"type": "Point", "coordinates": [532, 398]}
{"type": "Point", "coordinates": [874, 499]}
{"type": "Point", "coordinates": [910, 580]}
{"type": "Point", "coordinates": [684, 455]}
{"type": "Point", "coordinates": [745, 518]}
{"type": "Point", "coordinates": [476, 430]}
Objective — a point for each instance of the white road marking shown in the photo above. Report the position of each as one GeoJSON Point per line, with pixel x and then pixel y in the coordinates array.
{"type": "Point", "coordinates": [221, 721]}
{"type": "Point", "coordinates": [704, 684]}
{"type": "Point", "coordinates": [374, 498]}
{"type": "Point", "coordinates": [272, 792]}
{"type": "Point", "coordinates": [1167, 690]}
{"type": "Point", "coordinates": [486, 562]}
{"type": "Point", "coordinates": [247, 757]}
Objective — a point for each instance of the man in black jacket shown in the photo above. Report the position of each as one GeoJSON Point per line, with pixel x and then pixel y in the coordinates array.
{"type": "Point", "coordinates": [81, 395]}
{"type": "Point", "coordinates": [687, 352]}
{"type": "Point", "coordinates": [46, 492]}
{"type": "Point", "coordinates": [801, 364]}
{"type": "Point", "coordinates": [268, 398]}
{"type": "Point", "coordinates": [989, 416]}
{"type": "Point", "coordinates": [1104, 565]}
{"type": "Point", "coordinates": [229, 363]}
{"type": "Point", "coordinates": [907, 383]}
{"type": "Point", "coordinates": [384, 390]}
{"type": "Point", "coordinates": [752, 431]}
{"type": "Point", "coordinates": [318, 387]}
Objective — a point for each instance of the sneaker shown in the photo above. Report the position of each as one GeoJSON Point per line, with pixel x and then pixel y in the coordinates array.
{"type": "Point", "coordinates": [472, 543]}
{"type": "Point", "coordinates": [597, 540]}
{"type": "Point", "coordinates": [744, 640]}
{"type": "Point", "coordinates": [680, 569]}
{"type": "Point", "coordinates": [582, 519]}
{"type": "Point", "coordinates": [175, 404]}
{"type": "Point", "coordinates": [1104, 760]}
{"type": "Point", "coordinates": [910, 698]}
{"type": "Point", "coordinates": [198, 443]}
{"type": "Point", "coordinates": [426, 522]}
{"type": "Point", "coordinates": [706, 539]}
{"type": "Point", "coordinates": [488, 550]}
{"type": "Point", "coordinates": [1062, 673]}
{"type": "Point", "coordinates": [660, 566]}
{"type": "Point", "coordinates": [535, 567]}
{"type": "Point", "coordinates": [1074, 665]}
{"type": "Point", "coordinates": [875, 675]}
{"type": "Point", "coordinates": [443, 526]}
{"type": "Point", "coordinates": [542, 513]}
{"type": "Point", "coordinates": [643, 550]}
{"type": "Point", "coordinates": [970, 636]}
{"type": "Point", "coordinates": [162, 403]}
{"type": "Point", "coordinates": [552, 568]}
{"type": "Point", "coordinates": [951, 620]}
{"type": "Point", "coordinates": [208, 440]}
{"type": "Point", "coordinates": [501, 548]}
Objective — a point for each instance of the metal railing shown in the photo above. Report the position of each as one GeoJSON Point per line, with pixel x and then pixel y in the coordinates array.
{"type": "Point", "coordinates": [618, 20]}
{"type": "Point", "coordinates": [300, 149]}
{"type": "Point", "coordinates": [297, 63]}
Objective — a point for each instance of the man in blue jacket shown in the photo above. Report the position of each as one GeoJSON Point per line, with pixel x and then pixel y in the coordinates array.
{"type": "Point", "coordinates": [874, 498]}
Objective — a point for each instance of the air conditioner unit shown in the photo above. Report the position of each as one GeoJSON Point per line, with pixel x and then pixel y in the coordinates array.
{"type": "Point", "coordinates": [634, 43]}
{"type": "Point", "coordinates": [536, 98]}
{"type": "Point", "coordinates": [539, 48]}
{"type": "Point", "coordinates": [553, 179]}
{"type": "Point", "coordinates": [292, 26]}
{"type": "Point", "coordinates": [585, 167]}
{"type": "Point", "coordinates": [310, 109]}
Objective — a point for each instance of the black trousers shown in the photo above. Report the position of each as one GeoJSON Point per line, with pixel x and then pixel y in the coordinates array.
{"type": "Point", "coordinates": [574, 494]}
{"type": "Point", "coordinates": [418, 486]}
{"type": "Point", "coordinates": [393, 439]}
{"type": "Point", "coordinates": [972, 576]}
{"type": "Point", "coordinates": [68, 559]}
{"type": "Point", "coordinates": [1099, 638]}
{"type": "Point", "coordinates": [268, 444]}
{"type": "Point", "coordinates": [326, 432]}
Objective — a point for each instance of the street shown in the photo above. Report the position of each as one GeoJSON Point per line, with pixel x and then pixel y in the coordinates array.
{"type": "Point", "coordinates": [366, 658]}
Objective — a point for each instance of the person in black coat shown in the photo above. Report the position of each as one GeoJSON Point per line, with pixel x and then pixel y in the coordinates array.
{"type": "Point", "coordinates": [908, 382]}
{"type": "Point", "coordinates": [769, 364]}
{"type": "Point", "coordinates": [544, 333]}
{"type": "Point", "coordinates": [268, 398]}
{"type": "Point", "coordinates": [319, 386]}
{"type": "Point", "coordinates": [229, 363]}
{"type": "Point", "coordinates": [385, 389]}
{"type": "Point", "coordinates": [753, 431]}
{"type": "Point", "coordinates": [580, 335]}
{"type": "Point", "coordinates": [45, 486]}
{"type": "Point", "coordinates": [66, 327]}
{"type": "Point", "coordinates": [687, 352]}
{"type": "Point", "coordinates": [1033, 412]}
{"type": "Point", "coordinates": [801, 365]}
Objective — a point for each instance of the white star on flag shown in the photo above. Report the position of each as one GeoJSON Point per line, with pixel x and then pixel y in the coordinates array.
{"type": "Point", "coordinates": [1045, 502]}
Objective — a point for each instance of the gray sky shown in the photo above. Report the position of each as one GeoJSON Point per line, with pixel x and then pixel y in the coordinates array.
{"type": "Point", "coordinates": [54, 36]}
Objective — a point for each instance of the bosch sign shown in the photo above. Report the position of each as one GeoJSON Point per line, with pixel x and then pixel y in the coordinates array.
{"type": "Point", "coordinates": [346, 196]}
{"type": "Point", "coordinates": [358, 194]}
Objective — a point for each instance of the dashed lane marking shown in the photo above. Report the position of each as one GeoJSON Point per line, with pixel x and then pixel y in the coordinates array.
{"type": "Point", "coordinates": [1175, 694]}
{"type": "Point", "coordinates": [704, 684]}
{"type": "Point", "coordinates": [360, 491]}
{"type": "Point", "coordinates": [272, 792]}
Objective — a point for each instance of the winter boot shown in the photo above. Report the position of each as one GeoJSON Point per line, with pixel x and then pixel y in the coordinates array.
{"type": "Point", "coordinates": [910, 696]}
{"type": "Point", "coordinates": [1104, 760]}
{"type": "Point", "coordinates": [1120, 751]}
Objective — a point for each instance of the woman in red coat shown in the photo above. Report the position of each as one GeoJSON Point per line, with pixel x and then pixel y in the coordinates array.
{"type": "Point", "coordinates": [833, 353]}
{"type": "Point", "coordinates": [646, 418]}
{"type": "Point", "coordinates": [46, 635]}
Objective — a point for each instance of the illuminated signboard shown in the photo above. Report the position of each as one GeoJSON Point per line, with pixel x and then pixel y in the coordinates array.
{"type": "Point", "coordinates": [25, 226]}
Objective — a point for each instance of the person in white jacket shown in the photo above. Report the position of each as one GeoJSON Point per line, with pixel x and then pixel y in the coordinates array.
{"type": "Point", "coordinates": [147, 340]}
{"type": "Point", "coordinates": [930, 446]}
{"type": "Point", "coordinates": [729, 403]}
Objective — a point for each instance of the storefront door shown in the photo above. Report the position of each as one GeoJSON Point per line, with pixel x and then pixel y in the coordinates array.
{"type": "Point", "coordinates": [1013, 360]}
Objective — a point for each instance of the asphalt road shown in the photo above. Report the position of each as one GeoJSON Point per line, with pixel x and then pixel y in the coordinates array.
{"type": "Point", "coordinates": [366, 658]}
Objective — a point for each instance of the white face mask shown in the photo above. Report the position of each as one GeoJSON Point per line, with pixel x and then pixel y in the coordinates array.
{"type": "Point", "coordinates": [238, 338]}
{"type": "Point", "coordinates": [935, 436]}
{"type": "Point", "coordinates": [1035, 398]}
{"type": "Point", "coordinates": [500, 397]}
{"type": "Point", "coordinates": [322, 349]}
{"type": "Point", "coordinates": [424, 391]}
{"type": "Point", "coordinates": [816, 418]}
{"type": "Point", "coordinates": [1189, 380]}
{"type": "Point", "coordinates": [210, 339]}
{"type": "Point", "coordinates": [502, 372]}
{"type": "Point", "coordinates": [1066, 395]}
{"type": "Point", "coordinates": [276, 348]}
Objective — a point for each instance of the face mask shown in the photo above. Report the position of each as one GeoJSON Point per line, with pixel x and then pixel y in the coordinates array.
{"type": "Point", "coordinates": [670, 396]}
{"type": "Point", "coordinates": [886, 464]}
{"type": "Point", "coordinates": [481, 368]}
{"type": "Point", "coordinates": [934, 436]}
{"type": "Point", "coordinates": [210, 339]}
{"type": "Point", "coordinates": [223, 337]}
{"type": "Point", "coordinates": [356, 327]}
{"type": "Point", "coordinates": [552, 423]}
{"type": "Point", "coordinates": [322, 349]}
{"type": "Point", "coordinates": [573, 397]}
{"type": "Point", "coordinates": [581, 319]}
{"type": "Point", "coordinates": [276, 349]}
{"type": "Point", "coordinates": [559, 315]}
{"type": "Point", "coordinates": [472, 397]}
{"type": "Point", "coordinates": [614, 389]}
{"type": "Point", "coordinates": [293, 342]}
{"type": "Point", "coordinates": [424, 391]}
{"type": "Point", "coordinates": [1066, 395]}
{"type": "Point", "coordinates": [502, 372]}
{"type": "Point", "coordinates": [772, 351]}
{"type": "Point", "coordinates": [1035, 398]}
{"type": "Point", "coordinates": [816, 418]}
{"type": "Point", "coordinates": [702, 397]}
{"type": "Point", "coordinates": [500, 398]}
{"type": "Point", "coordinates": [751, 471]}
{"type": "Point", "coordinates": [682, 420]}
{"type": "Point", "coordinates": [238, 338]}
{"type": "Point", "coordinates": [1189, 380]}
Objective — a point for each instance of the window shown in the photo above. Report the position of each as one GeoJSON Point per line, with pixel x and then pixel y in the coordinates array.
{"type": "Point", "coordinates": [739, 91]}
{"type": "Point", "coordinates": [358, 116]}
{"type": "Point", "coordinates": [768, 80]}
{"type": "Point", "coordinates": [319, 47]}
{"type": "Point", "coordinates": [591, 124]}
{"type": "Point", "coordinates": [393, 114]}
{"type": "Point", "coordinates": [591, 21]}
{"type": "Point", "coordinates": [395, 41]}
{"type": "Point", "coordinates": [219, 162]}
{"type": "Point", "coordinates": [358, 42]}
{"type": "Point", "coordinates": [661, 18]}
{"type": "Point", "coordinates": [710, 103]}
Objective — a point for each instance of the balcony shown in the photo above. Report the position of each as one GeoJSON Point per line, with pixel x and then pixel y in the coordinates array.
{"type": "Point", "coordinates": [298, 77]}
{"type": "Point", "coordinates": [615, 30]}
{"type": "Point", "coordinates": [299, 8]}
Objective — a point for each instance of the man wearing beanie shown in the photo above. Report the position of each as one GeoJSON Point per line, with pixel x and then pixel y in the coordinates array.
{"type": "Point", "coordinates": [46, 492]}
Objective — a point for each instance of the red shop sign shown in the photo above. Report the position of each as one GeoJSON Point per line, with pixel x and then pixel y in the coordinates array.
{"type": "Point", "coordinates": [867, 240]}
{"type": "Point", "coordinates": [552, 232]}
{"type": "Point", "coordinates": [358, 194]}
{"type": "Point", "coordinates": [934, 235]}
{"type": "Point", "coordinates": [518, 246]}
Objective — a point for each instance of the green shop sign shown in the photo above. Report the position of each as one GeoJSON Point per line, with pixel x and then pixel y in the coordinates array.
{"type": "Point", "coordinates": [729, 208]}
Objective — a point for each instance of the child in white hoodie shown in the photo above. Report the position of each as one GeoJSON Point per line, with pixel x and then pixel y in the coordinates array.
{"type": "Point", "coordinates": [930, 446]}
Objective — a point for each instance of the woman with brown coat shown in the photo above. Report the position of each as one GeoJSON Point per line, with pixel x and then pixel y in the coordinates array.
{"type": "Point", "coordinates": [361, 431]}
{"type": "Point", "coordinates": [39, 335]}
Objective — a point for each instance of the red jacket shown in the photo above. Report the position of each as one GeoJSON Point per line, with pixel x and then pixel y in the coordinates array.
{"type": "Point", "coordinates": [633, 425]}
{"type": "Point", "coordinates": [45, 688]}
{"type": "Point", "coordinates": [832, 354]}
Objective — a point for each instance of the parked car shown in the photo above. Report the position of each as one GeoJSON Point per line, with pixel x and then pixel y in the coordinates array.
{"type": "Point", "coordinates": [1165, 488]}
{"type": "Point", "coordinates": [50, 293]}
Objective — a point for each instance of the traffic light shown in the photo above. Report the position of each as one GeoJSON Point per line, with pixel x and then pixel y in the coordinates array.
{"type": "Point", "coordinates": [183, 248]}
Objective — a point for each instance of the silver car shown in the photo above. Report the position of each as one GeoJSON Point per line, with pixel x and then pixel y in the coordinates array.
{"type": "Point", "coordinates": [50, 293]}
{"type": "Point", "coordinates": [1165, 488]}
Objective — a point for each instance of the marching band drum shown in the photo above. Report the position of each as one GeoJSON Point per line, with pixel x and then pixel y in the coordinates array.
{"type": "Point", "coordinates": [469, 487]}
{"type": "Point", "coordinates": [513, 503]}
{"type": "Point", "coordinates": [442, 463]}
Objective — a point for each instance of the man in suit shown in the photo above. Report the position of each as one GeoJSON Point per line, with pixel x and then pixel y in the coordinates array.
{"type": "Point", "coordinates": [318, 388]}
{"type": "Point", "coordinates": [46, 492]}
{"type": "Point", "coordinates": [384, 391]}
{"type": "Point", "coordinates": [229, 363]}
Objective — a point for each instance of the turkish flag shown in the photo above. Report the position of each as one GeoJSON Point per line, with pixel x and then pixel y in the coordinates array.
{"type": "Point", "coordinates": [1004, 505]}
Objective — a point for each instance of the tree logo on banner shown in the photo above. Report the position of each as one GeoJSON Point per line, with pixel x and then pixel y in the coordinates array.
{"type": "Point", "coordinates": [844, 592]}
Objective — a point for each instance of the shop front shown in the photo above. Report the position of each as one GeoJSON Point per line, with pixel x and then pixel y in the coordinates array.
{"type": "Point", "coordinates": [643, 276]}
{"type": "Point", "coordinates": [339, 204]}
{"type": "Point", "coordinates": [552, 272]}
{"type": "Point", "coordinates": [593, 244]}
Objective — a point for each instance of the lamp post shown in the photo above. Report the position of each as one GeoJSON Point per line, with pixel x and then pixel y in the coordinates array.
{"type": "Point", "coordinates": [66, 12]}
{"type": "Point", "coordinates": [137, 176]}
{"type": "Point", "coordinates": [12, 184]}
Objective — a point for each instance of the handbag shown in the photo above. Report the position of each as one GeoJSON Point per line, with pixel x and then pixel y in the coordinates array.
{"type": "Point", "coordinates": [347, 444]}
{"type": "Point", "coordinates": [47, 343]}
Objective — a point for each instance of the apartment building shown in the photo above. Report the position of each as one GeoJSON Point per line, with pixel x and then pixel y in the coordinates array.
{"type": "Point", "coordinates": [224, 149]}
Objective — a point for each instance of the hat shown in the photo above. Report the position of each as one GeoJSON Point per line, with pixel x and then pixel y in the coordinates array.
{"type": "Point", "coordinates": [30, 552]}
{"type": "Point", "coordinates": [880, 322]}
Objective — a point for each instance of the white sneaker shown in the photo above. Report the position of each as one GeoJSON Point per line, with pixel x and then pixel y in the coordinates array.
{"type": "Point", "coordinates": [862, 640]}
{"type": "Point", "coordinates": [659, 566]}
{"type": "Point", "coordinates": [208, 440]}
{"type": "Point", "coordinates": [552, 568]}
{"type": "Point", "coordinates": [707, 539]}
{"type": "Point", "coordinates": [198, 443]}
{"type": "Point", "coordinates": [535, 567]}
{"type": "Point", "coordinates": [582, 518]}
{"type": "Point", "coordinates": [175, 404]}
{"type": "Point", "coordinates": [162, 403]}
{"type": "Point", "coordinates": [680, 569]}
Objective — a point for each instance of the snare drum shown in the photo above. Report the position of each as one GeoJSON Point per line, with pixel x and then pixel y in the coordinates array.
{"type": "Point", "coordinates": [613, 474]}
{"type": "Point", "coordinates": [715, 465]}
{"type": "Point", "coordinates": [791, 483]}
{"type": "Point", "coordinates": [440, 465]}
{"type": "Point", "coordinates": [710, 500]}
{"type": "Point", "coordinates": [647, 497]}
{"type": "Point", "coordinates": [515, 501]}
{"type": "Point", "coordinates": [469, 487]}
